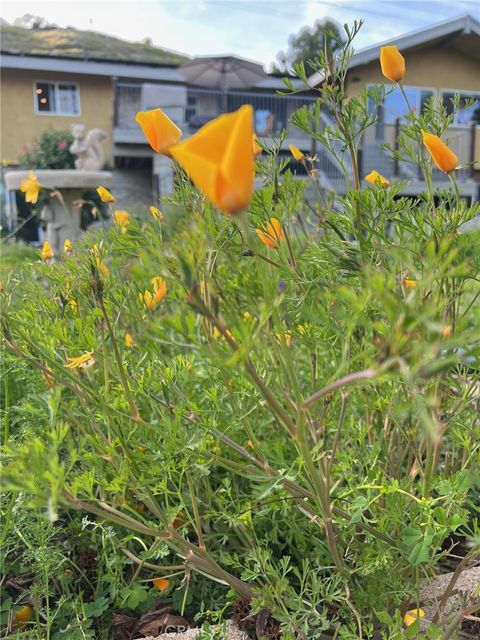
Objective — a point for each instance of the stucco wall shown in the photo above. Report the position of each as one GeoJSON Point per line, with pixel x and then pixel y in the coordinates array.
{"type": "Point", "coordinates": [20, 125]}
{"type": "Point", "coordinates": [433, 68]}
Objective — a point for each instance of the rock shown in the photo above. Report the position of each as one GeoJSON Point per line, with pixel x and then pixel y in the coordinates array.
{"type": "Point", "coordinates": [232, 633]}
{"type": "Point", "coordinates": [465, 590]}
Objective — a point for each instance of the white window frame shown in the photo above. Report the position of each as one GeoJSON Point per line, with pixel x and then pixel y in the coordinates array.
{"type": "Point", "coordinates": [466, 92]}
{"type": "Point", "coordinates": [56, 113]}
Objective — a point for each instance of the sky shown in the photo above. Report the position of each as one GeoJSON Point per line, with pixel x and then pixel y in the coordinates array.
{"type": "Point", "coordinates": [254, 29]}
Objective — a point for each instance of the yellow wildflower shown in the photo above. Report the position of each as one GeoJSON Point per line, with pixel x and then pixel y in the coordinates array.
{"type": "Point", "coordinates": [47, 251]}
{"type": "Point", "coordinates": [67, 247]}
{"type": "Point", "coordinates": [272, 234]}
{"type": "Point", "coordinates": [105, 194]}
{"type": "Point", "coordinates": [156, 213]}
{"type": "Point", "coordinates": [159, 292]}
{"type": "Point", "coordinates": [412, 615]}
{"type": "Point", "coordinates": [30, 187]}
{"type": "Point", "coordinates": [410, 283]}
{"type": "Point", "coordinates": [376, 178]}
{"type": "Point", "coordinates": [287, 337]}
{"type": "Point", "coordinates": [122, 219]}
{"type": "Point", "coordinates": [83, 361]}
{"type": "Point", "coordinates": [128, 340]}
{"type": "Point", "coordinates": [296, 153]}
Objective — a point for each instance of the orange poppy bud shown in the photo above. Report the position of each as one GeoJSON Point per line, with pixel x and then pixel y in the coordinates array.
{"type": "Point", "coordinates": [443, 157]}
{"type": "Point", "coordinates": [410, 283]}
{"type": "Point", "coordinates": [158, 129]}
{"type": "Point", "coordinates": [24, 614]}
{"type": "Point", "coordinates": [376, 178]}
{"type": "Point", "coordinates": [47, 251]}
{"type": "Point", "coordinates": [179, 520]}
{"type": "Point", "coordinates": [392, 63]}
{"type": "Point", "coordinates": [128, 340]}
{"type": "Point", "coordinates": [296, 153]}
{"type": "Point", "coordinates": [105, 195]}
{"type": "Point", "coordinates": [121, 219]}
{"type": "Point", "coordinates": [272, 234]}
{"type": "Point", "coordinates": [161, 583]}
{"type": "Point", "coordinates": [447, 331]}
{"type": "Point", "coordinates": [219, 159]}
{"type": "Point", "coordinates": [156, 213]}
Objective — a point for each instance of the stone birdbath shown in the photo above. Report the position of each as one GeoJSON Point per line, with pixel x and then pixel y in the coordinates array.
{"type": "Point", "coordinates": [61, 215]}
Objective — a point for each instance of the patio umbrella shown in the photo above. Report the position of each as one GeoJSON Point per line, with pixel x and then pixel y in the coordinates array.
{"type": "Point", "coordinates": [222, 72]}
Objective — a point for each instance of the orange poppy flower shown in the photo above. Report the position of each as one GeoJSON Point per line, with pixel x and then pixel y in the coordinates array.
{"type": "Point", "coordinates": [161, 583]}
{"type": "Point", "coordinates": [219, 159]}
{"type": "Point", "coordinates": [443, 157]}
{"type": "Point", "coordinates": [272, 234]}
{"type": "Point", "coordinates": [158, 129]}
{"type": "Point", "coordinates": [392, 63]}
{"type": "Point", "coordinates": [374, 177]}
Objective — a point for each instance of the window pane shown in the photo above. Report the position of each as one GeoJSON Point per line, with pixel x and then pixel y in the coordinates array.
{"type": "Point", "coordinates": [395, 106]}
{"type": "Point", "coordinates": [465, 113]}
{"type": "Point", "coordinates": [45, 96]}
{"type": "Point", "coordinates": [68, 99]}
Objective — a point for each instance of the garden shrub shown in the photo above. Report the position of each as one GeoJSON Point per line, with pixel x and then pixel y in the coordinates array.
{"type": "Point", "coordinates": [286, 420]}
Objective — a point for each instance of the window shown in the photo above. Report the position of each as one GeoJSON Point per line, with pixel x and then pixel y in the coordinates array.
{"type": "Point", "coordinates": [394, 105]}
{"type": "Point", "coordinates": [57, 98]}
{"type": "Point", "coordinates": [468, 106]}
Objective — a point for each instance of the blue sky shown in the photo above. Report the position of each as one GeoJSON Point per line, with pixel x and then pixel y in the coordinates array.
{"type": "Point", "coordinates": [255, 29]}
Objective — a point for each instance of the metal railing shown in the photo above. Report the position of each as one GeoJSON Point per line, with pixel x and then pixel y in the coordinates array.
{"type": "Point", "coordinates": [272, 112]}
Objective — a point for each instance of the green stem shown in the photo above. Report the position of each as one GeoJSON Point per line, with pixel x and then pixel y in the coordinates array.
{"type": "Point", "coordinates": [118, 360]}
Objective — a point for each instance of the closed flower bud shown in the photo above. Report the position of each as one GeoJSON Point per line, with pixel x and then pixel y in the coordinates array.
{"type": "Point", "coordinates": [442, 156]}
{"type": "Point", "coordinates": [392, 63]}
{"type": "Point", "coordinates": [296, 153]}
{"type": "Point", "coordinates": [158, 129]}
{"type": "Point", "coordinates": [47, 251]}
{"type": "Point", "coordinates": [272, 234]}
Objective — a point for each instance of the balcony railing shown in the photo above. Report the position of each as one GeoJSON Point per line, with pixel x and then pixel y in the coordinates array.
{"type": "Point", "coordinates": [272, 112]}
